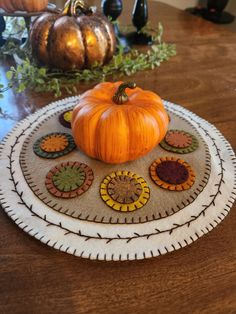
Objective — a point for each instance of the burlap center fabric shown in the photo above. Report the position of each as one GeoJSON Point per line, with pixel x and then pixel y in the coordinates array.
{"type": "Point", "coordinates": [90, 206]}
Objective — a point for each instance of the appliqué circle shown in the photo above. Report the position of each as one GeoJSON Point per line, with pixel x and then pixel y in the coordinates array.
{"type": "Point", "coordinates": [65, 118]}
{"type": "Point", "coordinates": [69, 179]}
{"type": "Point", "coordinates": [54, 145]}
{"type": "Point", "coordinates": [172, 174]}
{"type": "Point", "coordinates": [124, 191]}
{"type": "Point", "coordinates": [179, 141]}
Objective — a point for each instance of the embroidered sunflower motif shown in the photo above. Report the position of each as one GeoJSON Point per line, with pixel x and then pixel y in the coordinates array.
{"type": "Point", "coordinates": [69, 179]}
{"type": "Point", "coordinates": [54, 145]}
{"type": "Point", "coordinates": [172, 173]}
{"type": "Point", "coordinates": [179, 141]}
{"type": "Point", "coordinates": [124, 191]}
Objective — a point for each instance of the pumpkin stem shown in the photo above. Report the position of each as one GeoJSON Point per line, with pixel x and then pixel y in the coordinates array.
{"type": "Point", "coordinates": [72, 6]}
{"type": "Point", "coordinates": [120, 96]}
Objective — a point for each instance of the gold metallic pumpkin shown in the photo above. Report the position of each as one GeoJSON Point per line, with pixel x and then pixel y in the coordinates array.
{"type": "Point", "coordinates": [76, 38]}
{"type": "Point", "coordinates": [23, 5]}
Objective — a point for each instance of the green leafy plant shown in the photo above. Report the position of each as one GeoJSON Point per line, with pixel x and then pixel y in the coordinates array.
{"type": "Point", "coordinates": [41, 79]}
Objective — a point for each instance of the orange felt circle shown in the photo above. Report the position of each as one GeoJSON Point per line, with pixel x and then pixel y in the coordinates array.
{"type": "Point", "coordinates": [178, 139]}
{"type": "Point", "coordinates": [54, 143]}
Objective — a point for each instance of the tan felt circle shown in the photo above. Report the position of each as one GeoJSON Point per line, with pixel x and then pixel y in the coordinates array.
{"type": "Point", "coordinates": [124, 189]}
{"type": "Point", "coordinates": [90, 206]}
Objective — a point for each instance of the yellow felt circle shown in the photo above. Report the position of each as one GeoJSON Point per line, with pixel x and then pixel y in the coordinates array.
{"type": "Point", "coordinates": [68, 116]}
{"type": "Point", "coordinates": [142, 199]}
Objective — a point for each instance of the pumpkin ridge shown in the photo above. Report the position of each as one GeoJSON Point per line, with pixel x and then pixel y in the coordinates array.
{"type": "Point", "coordinates": [59, 48]}
{"type": "Point", "coordinates": [108, 39]}
{"type": "Point", "coordinates": [104, 123]}
{"type": "Point", "coordinates": [19, 5]}
{"type": "Point", "coordinates": [8, 6]}
{"type": "Point", "coordinates": [95, 152]}
{"type": "Point", "coordinates": [48, 42]}
{"type": "Point", "coordinates": [81, 120]}
{"type": "Point", "coordinates": [154, 129]}
{"type": "Point", "coordinates": [159, 120]}
{"type": "Point", "coordinates": [23, 5]}
{"type": "Point", "coordinates": [80, 23]}
{"type": "Point", "coordinates": [84, 42]}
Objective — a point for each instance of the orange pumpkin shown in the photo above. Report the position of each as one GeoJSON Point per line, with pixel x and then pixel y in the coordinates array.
{"type": "Point", "coordinates": [23, 5]}
{"type": "Point", "coordinates": [116, 125]}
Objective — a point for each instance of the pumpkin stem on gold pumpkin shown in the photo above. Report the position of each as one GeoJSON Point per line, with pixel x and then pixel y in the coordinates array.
{"type": "Point", "coordinates": [72, 6]}
{"type": "Point", "coordinates": [120, 96]}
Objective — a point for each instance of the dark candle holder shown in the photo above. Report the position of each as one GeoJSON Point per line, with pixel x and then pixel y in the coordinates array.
{"type": "Point", "coordinates": [113, 9]}
{"type": "Point", "coordinates": [214, 12]}
{"type": "Point", "coordinates": [140, 18]}
{"type": "Point", "coordinates": [2, 29]}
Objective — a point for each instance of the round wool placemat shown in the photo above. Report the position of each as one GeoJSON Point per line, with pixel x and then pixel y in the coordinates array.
{"type": "Point", "coordinates": [118, 239]}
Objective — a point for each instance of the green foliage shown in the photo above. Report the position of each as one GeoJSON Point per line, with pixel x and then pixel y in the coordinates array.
{"type": "Point", "coordinates": [41, 79]}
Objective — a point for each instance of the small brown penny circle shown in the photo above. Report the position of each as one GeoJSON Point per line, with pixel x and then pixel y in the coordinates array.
{"type": "Point", "coordinates": [124, 189]}
{"type": "Point", "coordinates": [178, 139]}
{"type": "Point", "coordinates": [172, 172]}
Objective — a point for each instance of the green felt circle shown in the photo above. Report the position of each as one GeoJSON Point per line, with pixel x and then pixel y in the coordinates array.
{"type": "Point", "coordinates": [52, 155]}
{"type": "Point", "coordinates": [69, 178]}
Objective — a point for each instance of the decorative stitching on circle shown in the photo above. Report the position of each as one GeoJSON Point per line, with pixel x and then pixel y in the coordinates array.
{"type": "Point", "coordinates": [54, 145]}
{"type": "Point", "coordinates": [179, 141]}
{"type": "Point", "coordinates": [69, 179]}
{"type": "Point", "coordinates": [65, 118]}
{"type": "Point", "coordinates": [124, 191]}
{"type": "Point", "coordinates": [172, 173]}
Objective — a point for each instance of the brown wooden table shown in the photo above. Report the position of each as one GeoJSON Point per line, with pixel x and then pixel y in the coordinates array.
{"type": "Point", "coordinates": [200, 278]}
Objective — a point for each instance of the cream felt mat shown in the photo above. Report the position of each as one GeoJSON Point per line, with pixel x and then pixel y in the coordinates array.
{"type": "Point", "coordinates": [90, 206]}
{"type": "Point", "coordinates": [117, 241]}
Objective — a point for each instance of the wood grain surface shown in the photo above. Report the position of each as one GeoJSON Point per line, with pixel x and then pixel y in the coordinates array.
{"type": "Point", "coordinates": [200, 278]}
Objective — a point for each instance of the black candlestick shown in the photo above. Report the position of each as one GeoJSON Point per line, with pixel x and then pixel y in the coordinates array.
{"type": "Point", "coordinates": [214, 12]}
{"type": "Point", "coordinates": [2, 29]}
{"type": "Point", "coordinates": [113, 9]}
{"type": "Point", "coordinates": [140, 18]}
